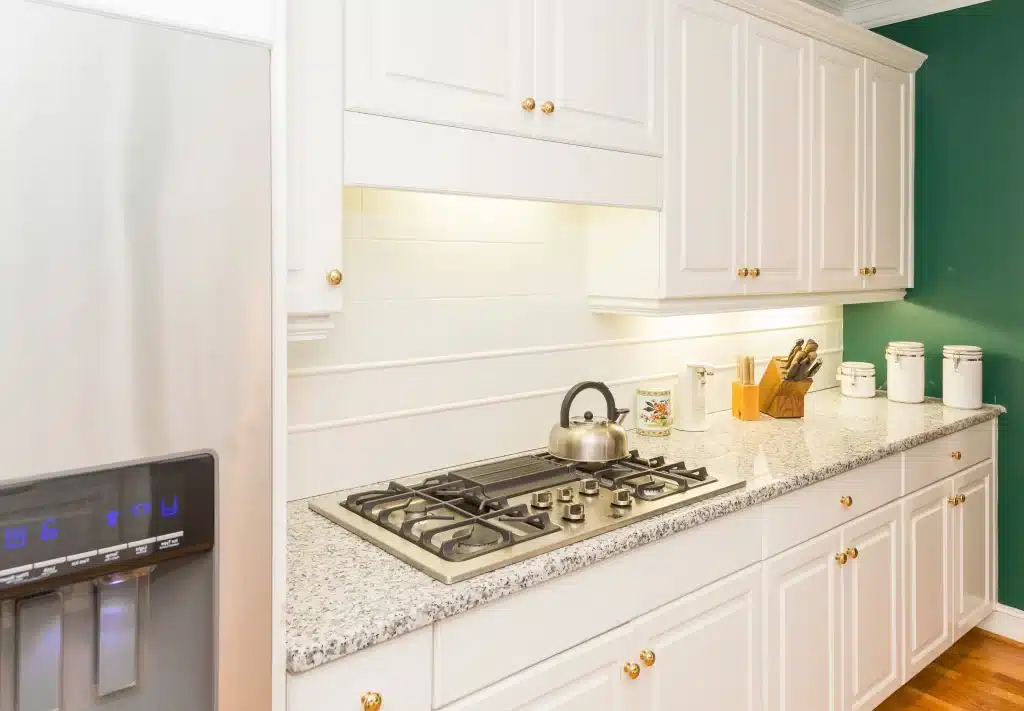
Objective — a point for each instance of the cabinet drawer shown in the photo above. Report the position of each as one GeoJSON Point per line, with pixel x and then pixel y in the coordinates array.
{"type": "Point", "coordinates": [398, 670]}
{"type": "Point", "coordinates": [936, 460]}
{"type": "Point", "coordinates": [482, 646]}
{"type": "Point", "coordinates": [802, 515]}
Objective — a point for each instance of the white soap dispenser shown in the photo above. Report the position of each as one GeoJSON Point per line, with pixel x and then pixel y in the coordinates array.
{"type": "Point", "coordinates": [692, 407]}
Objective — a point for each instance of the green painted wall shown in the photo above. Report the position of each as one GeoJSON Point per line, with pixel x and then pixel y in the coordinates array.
{"type": "Point", "coordinates": [969, 224]}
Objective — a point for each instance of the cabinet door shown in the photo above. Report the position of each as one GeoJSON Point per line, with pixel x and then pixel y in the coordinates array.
{"type": "Point", "coordinates": [778, 145]}
{"type": "Point", "coordinates": [888, 177]}
{"type": "Point", "coordinates": [973, 527]}
{"type": "Point", "coordinates": [872, 608]}
{"type": "Point", "coordinates": [704, 163]}
{"type": "Point", "coordinates": [927, 529]}
{"type": "Point", "coordinates": [588, 677]}
{"type": "Point", "coordinates": [837, 170]}
{"type": "Point", "coordinates": [313, 153]}
{"type": "Point", "coordinates": [458, 62]}
{"type": "Point", "coordinates": [599, 62]}
{"type": "Point", "coordinates": [802, 597]}
{"type": "Point", "coordinates": [716, 631]}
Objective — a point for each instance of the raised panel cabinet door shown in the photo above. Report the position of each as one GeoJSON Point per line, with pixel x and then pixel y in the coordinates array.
{"type": "Point", "coordinates": [802, 598]}
{"type": "Point", "coordinates": [973, 528]}
{"type": "Point", "coordinates": [837, 170]}
{"type": "Point", "coordinates": [872, 608]}
{"type": "Point", "coordinates": [778, 147]}
{"type": "Point", "coordinates": [706, 649]}
{"type": "Point", "coordinates": [457, 62]}
{"type": "Point", "coordinates": [927, 532]}
{"type": "Point", "coordinates": [599, 64]}
{"type": "Point", "coordinates": [703, 224]}
{"type": "Point", "coordinates": [889, 175]}
{"type": "Point", "coordinates": [588, 677]}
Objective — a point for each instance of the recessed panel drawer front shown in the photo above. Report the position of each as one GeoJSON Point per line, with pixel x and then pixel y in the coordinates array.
{"type": "Point", "coordinates": [800, 516]}
{"type": "Point", "coordinates": [943, 457]}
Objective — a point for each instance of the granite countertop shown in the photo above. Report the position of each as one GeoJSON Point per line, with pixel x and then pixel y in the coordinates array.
{"type": "Point", "coordinates": [345, 594]}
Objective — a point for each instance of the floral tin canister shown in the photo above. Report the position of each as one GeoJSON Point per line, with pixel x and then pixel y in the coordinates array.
{"type": "Point", "coordinates": [654, 412]}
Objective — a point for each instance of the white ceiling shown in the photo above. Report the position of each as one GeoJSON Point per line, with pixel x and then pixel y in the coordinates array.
{"type": "Point", "coordinates": [872, 13]}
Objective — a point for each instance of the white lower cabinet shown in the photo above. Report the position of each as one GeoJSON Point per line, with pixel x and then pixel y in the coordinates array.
{"type": "Point", "coordinates": [973, 553]}
{"type": "Point", "coordinates": [927, 525]}
{"type": "Point", "coordinates": [802, 597]}
{"type": "Point", "coordinates": [704, 649]}
{"type": "Point", "coordinates": [872, 608]}
{"type": "Point", "coordinates": [589, 677]}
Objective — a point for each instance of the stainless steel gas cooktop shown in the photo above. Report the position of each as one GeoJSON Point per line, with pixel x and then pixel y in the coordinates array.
{"type": "Point", "coordinates": [469, 521]}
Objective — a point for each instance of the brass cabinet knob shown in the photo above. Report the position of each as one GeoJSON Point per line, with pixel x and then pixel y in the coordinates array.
{"type": "Point", "coordinates": [852, 553]}
{"type": "Point", "coordinates": [874, 270]}
{"type": "Point", "coordinates": [864, 271]}
{"type": "Point", "coordinates": [529, 104]}
{"type": "Point", "coordinates": [961, 498]}
{"type": "Point", "coordinates": [632, 669]}
{"type": "Point", "coordinates": [954, 500]}
{"type": "Point", "coordinates": [547, 107]}
{"type": "Point", "coordinates": [647, 657]}
{"type": "Point", "coordinates": [957, 456]}
{"type": "Point", "coordinates": [841, 558]}
{"type": "Point", "coordinates": [372, 701]}
{"type": "Point", "coordinates": [334, 277]}
{"type": "Point", "coordinates": [755, 272]}
{"type": "Point", "coordinates": [846, 501]}
{"type": "Point", "coordinates": [743, 271]}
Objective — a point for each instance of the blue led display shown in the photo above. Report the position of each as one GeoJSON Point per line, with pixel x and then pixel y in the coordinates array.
{"type": "Point", "coordinates": [143, 508]}
{"type": "Point", "coordinates": [167, 510]}
{"type": "Point", "coordinates": [49, 530]}
{"type": "Point", "coordinates": [15, 537]}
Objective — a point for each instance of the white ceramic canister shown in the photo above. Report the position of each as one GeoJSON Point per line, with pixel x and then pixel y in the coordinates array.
{"type": "Point", "coordinates": [905, 371]}
{"type": "Point", "coordinates": [856, 379]}
{"type": "Point", "coordinates": [654, 412]}
{"type": "Point", "coordinates": [961, 377]}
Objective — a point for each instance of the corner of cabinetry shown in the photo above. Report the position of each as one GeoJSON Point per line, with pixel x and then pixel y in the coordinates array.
{"type": "Point", "coordinates": [623, 248]}
{"type": "Point", "coordinates": [309, 327]}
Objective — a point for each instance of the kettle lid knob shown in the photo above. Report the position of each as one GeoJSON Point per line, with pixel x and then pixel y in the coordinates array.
{"type": "Point", "coordinates": [588, 415]}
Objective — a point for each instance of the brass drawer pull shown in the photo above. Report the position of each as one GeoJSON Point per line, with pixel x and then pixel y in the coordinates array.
{"type": "Point", "coordinates": [841, 558]}
{"type": "Point", "coordinates": [529, 104]}
{"type": "Point", "coordinates": [372, 701]}
{"type": "Point", "coordinates": [647, 657]}
{"type": "Point", "coordinates": [852, 552]}
{"type": "Point", "coordinates": [846, 501]}
{"type": "Point", "coordinates": [632, 669]}
{"type": "Point", "coordinates": [957, 456]}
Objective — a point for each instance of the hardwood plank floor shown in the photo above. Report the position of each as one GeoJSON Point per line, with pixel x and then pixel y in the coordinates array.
{"type": "Point", "coordinates": [981, 672]}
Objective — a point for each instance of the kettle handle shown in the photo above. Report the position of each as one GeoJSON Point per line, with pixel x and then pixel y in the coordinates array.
{"type": "Point", "coordinates": [575, 390]}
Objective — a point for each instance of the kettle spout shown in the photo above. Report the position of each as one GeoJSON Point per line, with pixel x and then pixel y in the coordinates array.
{"type": "Point", "coordinates": [620, 414]}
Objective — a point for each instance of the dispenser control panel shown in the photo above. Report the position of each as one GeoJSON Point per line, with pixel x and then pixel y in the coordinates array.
{"type": "Point", "coordinates": [69, 527]}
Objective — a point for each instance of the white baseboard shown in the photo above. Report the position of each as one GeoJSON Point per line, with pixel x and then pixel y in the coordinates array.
{"type": "Point", "coordinates": [1006, 622]}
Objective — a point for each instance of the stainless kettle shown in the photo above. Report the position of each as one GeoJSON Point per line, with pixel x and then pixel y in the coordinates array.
{"type": "Point", "coordinates": [589, 438]}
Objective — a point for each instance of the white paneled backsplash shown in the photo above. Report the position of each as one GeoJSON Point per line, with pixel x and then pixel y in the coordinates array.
{"type": "Point", "coordinates": [466, 321]}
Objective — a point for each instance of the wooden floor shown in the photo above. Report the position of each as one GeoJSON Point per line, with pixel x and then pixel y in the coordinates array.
{"type": "Point", "coordinates": [981, 672]}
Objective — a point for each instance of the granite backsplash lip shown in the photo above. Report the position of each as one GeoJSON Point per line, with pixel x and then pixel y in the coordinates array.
{"type": "Point", "coordinates": [345, 594]}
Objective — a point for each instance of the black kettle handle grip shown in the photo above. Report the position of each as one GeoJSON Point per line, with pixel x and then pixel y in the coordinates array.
{"type": "Point", "coordinates": [588, 385]}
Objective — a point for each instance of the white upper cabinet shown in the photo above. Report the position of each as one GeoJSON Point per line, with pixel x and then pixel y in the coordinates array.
{"type": "Point", "coordinates": [246, 19]}
{"type": "Point", "coordinates": [704, 164]}
{"type": "Point", "coordinates": [889, 170]}
{"type": "Point", "coordinates": [586, 72]}
{"type": "Point", "coordinates": [778, 148]}
{"type": "Point", "coordinates": [837, 169]}
{"type": "Point", "coordinates": [599, 72]}
{"type": "Point", "coordinates": [458, 62]}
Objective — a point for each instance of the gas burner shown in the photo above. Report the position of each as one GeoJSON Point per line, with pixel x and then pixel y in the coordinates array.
{"type": "Point", "coordinates": [475, 519]}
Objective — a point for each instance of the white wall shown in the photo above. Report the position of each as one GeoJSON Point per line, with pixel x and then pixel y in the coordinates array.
{"type": "Point", "coordinates": [465, 321]}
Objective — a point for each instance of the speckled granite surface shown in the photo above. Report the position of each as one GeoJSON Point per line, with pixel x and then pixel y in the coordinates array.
{"type": "Point", "coordinates": [345, 594]}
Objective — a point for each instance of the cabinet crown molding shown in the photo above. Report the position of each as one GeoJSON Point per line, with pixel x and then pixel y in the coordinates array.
{"type": "Point", "coordinates": [822, 25]}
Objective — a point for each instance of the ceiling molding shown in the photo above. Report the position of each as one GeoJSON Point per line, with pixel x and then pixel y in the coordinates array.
{"type": "Point", "coordinates": [833, 6]}
{"type": "Point", "coordinates": [874, 13]}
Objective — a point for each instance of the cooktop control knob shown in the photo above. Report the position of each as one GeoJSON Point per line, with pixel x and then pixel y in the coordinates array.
{"type": "Point", "coordinates": [542, 500]}
{"type": "Point", "coordinates": [566, 495]}
{"type": "Point", "coordinates": [622, 497]}
{"type": "Point", "coordinates": [589, 487]}
{"type": "Point", "coordinates": [574, 512]}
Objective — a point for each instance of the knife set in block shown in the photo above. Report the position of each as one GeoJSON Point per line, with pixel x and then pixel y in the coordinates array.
{"type": "Point", "coordinates": [787, 379]}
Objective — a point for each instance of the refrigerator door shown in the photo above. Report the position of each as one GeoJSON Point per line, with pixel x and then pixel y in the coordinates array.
{"type": "Point", "coordinates": [135, 287]}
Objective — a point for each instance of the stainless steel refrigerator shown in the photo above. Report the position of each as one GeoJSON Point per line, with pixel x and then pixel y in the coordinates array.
{"type": "Point", "coordinates": [135, 366]}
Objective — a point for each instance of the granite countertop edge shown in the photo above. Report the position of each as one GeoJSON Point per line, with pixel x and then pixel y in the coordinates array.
{"type": "Point", "coordinates": [507, 581]}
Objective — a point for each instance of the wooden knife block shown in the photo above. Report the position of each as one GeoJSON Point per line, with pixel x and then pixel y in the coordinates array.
{"type": "Point", "coordinates": [778, 397]}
